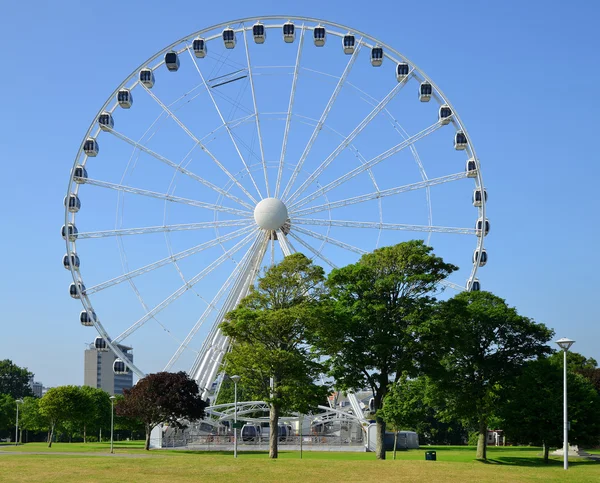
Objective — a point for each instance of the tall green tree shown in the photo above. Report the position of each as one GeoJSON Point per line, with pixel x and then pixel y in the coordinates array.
{"type": "Point", "coordinates": [481, 344]}
{"type": "Point", "coordinates": [8, 412]}
{"type": "Point", "coordinates": [96, 413]}
{"type": "Point", "coordinates": [164, 397]}
{"type": "Point", "coordinates": [14, 380]}
{"type": "Point", "coordinates": [413, 404]}
{"type": "Point", "coordinates": [31, 417]}
{"type": "Point", "coordinates": [270, 329]}
{"type": "Point", "coordinates": [64, 408]}
{"type": "Point", "coordinates": [375, 308]}
{"type": "Point", "coordinates": [533, 408]}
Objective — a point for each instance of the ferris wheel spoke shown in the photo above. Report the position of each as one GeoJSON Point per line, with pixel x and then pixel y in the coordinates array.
{"type": "Point", "coordinates": [384, 226]}
{"type": "Point", "coordinates": [313, 251]}
{"type": "Point", "coordinates": [216, 344]}
{"type": "Point", "coordinates": [212, 306]}
{"type": "Point", "coordinates": [184, 288]}
{"type": "Point", "coordinates": [378, 194]}
{"type": "Point", "coordinates": [171, 259]}
{"type": "Point", "coordinates": [322, 120]}
{"type": "Point", "coordinates": [199, 143]}
{"type": "Point", "coordinates": [284, 244]}
{"type": "Point", "coordinates": [227, 128]}
{"type": "Point", "coordinates": [256, 115]}
{"type": "Point", "coordinates": [344, 144]}
{"type": "Point", "coordinates": [162, 229]}
{"type": "Point", "coordinates": [288, 118]}
{"type": "Point", "coordinates": [177, 167]}
{"type": "Point", "coordinates": [330, 240]}
{"type": "Point", "coordinates": [453, 286]}
{"type": "Point", "coordinates": [369, 164]}
{"type": "Point", "coordinates": [161, 196]}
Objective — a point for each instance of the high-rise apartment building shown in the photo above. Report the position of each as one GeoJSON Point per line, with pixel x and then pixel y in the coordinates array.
{"type": "Point", "coordinates": [98, 370]}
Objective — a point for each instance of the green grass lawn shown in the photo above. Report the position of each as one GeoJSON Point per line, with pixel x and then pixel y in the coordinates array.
{"type": "Point", "coordinates": [92, 462]}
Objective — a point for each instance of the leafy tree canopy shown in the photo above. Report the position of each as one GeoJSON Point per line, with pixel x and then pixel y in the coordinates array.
{"type": "Point", "coordinates": [270, 329]}
{"type": "Point", "coordinates": [63, 407]}
{"type": "Point", "coordinates": [533, 411]}
{"type": "Point", "coordinates": [164, 397]}
{"type": "Point", "coordinates": [374, 311]}
{"type": "Point", "coordinates": [14, 380]}
{"type": "Point", "coordinates": [481, 344]}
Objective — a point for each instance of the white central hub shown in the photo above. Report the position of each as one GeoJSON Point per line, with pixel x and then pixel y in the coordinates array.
{"type": "Point", "coordinates": [270, 214]}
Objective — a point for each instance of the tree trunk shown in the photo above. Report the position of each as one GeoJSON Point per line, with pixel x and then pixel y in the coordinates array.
{"type": "Point", "coordinates": [273, 430]}
{"type": "Point", "coordinates": [148, 431]}
{"type": "Point", "coordinates": [546, 452]}
{"type": "Point", "coordinates": [395, 442]}
{"type": "Point", "coordinates": [380, 447]}
{"type": "Point", "coordinates": [482, 440]}
{"type": "Point", "coordinates": [51, 436]}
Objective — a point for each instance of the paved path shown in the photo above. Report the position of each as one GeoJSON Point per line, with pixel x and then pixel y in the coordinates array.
{"type": "Point", "coordinates": [73, 453]}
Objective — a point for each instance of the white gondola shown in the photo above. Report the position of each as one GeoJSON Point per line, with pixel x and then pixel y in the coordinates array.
{"type": "Point", "coordinates": [70, 230]}
{"type": "Point", "coordinates": [106, 121]}
{"type": "Point", "coordinates": [172, 61]}
{"type": "Point", "coordinates": [80, 174]}
{"type": "Point", "coordinates": [119, 367]}
{"type": "Point", "coordinates": [72, 203]}
{"type": "Point", "coordinates": [445, 114]}
{"type": "Point", "coordinates": [481, 256]}
{"type": "Point", "coordinates": [71, 261]}
{"type": "Point", "coordinates": [478, 199]}
{"type": "Point", "coordinates": [349, 43]}
{"type": "Point", "coordinates": [425, 91]}
{"type": "Point", "coordinates": [474, 285]}
{"type": "Point", "coordinates": [376, 56]}
{"type": "Point", "coordinates": [402, 71]}
{"type": "Point", "coordinates": [319, 35]}
{"type": "Point", "coordinates": [460, 141]}
{"type": "Point", "coordinates": [471, 168]}
{"type": "Point", "coordinates": [125, 98]}
{"type": "Point", "coordinates": [147, 78]}
{"type": "Point", "coordinates": [76, 290]}
{"type": "Point", "coordinates": [229, 38]}
{"type": "Point", "coordinates": [259, 33]}
{"type": "Point", "coordinates": [100, 344]}
{"type": "Point", "coordinates": [480, 227]}
{"type": "Point", "coordinates": [199, 47]}
{"type": "Point", "coordinates": [91, 148]}
{"type": "Point", "coordinates": [86, 318]}
{"type": "Point", "coordinates": [289, 32]}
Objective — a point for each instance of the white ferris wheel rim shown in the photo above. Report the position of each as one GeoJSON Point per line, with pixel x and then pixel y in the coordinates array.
{"type": "Point", "coordinates": [246, 25]}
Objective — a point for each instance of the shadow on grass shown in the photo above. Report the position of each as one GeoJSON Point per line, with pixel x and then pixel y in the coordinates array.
{"type": "Point", "coordinates": [535, 461]}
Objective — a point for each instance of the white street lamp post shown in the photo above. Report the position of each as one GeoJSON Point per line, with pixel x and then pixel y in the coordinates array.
{"type": "Point", "coordinates": [112, 421]}
{"type": "Point", "coordinates": [18, 401]}
{"type": "Point", "coordinates": [565, 344]}
{"type": "Point", "coordinates": [235, 380]}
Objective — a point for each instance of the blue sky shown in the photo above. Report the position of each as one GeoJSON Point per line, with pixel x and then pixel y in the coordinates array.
{"type": "Point", "coordinates": [521, 75]}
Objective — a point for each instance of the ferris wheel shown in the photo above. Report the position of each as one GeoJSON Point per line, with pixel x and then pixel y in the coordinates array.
{"type": "Point", "coordinates": [248, 141]}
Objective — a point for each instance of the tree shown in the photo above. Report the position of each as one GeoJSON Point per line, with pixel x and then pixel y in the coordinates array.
{"type": "Point", "coordinates": [63, 407]}
{"type": "Point", "coordinates": [31, 417]}
{"type": "Point", "coordinates": [270, 329]}
{"type": "Point", "coordinates": [374, 310]}
{"type": "Point", "coordinates": [8, 412]}
{"type": "Point", "coordinates": [575, 362]}
{"type": "Point", "coordinates": [533, 412]}
{"type": "Point", "coordinates": [14, 380]}
{"type": "Point", "coordinates": [481, 344]}
{"type": "Point", "coordinates": [164, 397]}
{"type": "Point", "coordinates": [96, 414]}
{"type": "Point", "coordinates": [412, 404]}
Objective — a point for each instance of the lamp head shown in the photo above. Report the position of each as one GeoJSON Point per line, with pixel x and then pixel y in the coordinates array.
{"type": "Point", "coordinates": [112, 398]}
{"type": "Point", "coordinates": [565, 343]}
{"type": "Point", "coordinates": [235, 379]}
